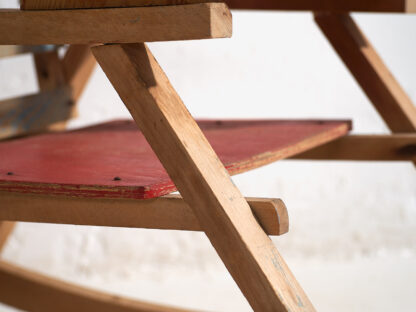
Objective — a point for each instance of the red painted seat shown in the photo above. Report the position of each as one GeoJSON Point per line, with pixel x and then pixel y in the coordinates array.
{"type": "Point", "coordinates": [114, 160]}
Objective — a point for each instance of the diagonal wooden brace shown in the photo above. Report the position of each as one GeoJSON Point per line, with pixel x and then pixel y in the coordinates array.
{"type": "Point", "coordinates": [202, 180]}
{"type": "Point", "coordinates": [385, 93]}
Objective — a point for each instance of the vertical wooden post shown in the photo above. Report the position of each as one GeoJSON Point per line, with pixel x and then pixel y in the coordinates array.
{"type": "Point", "coordinates": [202, 180]}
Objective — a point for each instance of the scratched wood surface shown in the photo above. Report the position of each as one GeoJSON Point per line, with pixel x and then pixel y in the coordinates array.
{"type": "Point", "coordinates": [146, 24]}
{"type": "Point", "coordinates": [31, 291]}
{"type": "Point", "coordinates": [305, 5]}
{"type": "Point", "coordinates": [34, 113]}
{"type": "Point", "coordinates": [114, 159]}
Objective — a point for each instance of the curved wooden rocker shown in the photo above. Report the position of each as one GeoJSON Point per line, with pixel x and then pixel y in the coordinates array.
{"type": "Point", "coordinates": [31, 291]}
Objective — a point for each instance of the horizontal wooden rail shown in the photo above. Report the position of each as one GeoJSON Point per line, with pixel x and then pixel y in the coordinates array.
{"type": "Point", "coordinates": [168, 212]}
{"type": "Point", "coordinates": [396, 147]}
{"type": "Point", "coordinates": [120, 25]}
{"type": "Point", "coordinates": [35, 292]}
{"type": "Point", "coordinates": [400, 6]}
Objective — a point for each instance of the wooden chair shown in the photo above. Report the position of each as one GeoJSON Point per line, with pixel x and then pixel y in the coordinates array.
{"type": "Point", "coordinates": [79, 177]}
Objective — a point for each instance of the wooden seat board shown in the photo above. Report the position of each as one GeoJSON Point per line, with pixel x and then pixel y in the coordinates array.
{"type": "Point", "coordinates": [114, 160]}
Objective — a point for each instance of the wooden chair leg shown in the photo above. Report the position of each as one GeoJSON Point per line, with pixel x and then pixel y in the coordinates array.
{"type": "Point", "coordinates": [78, 65]}
{"type": "Point", "coordinates": [202, 180]}
{"type": "Point", "coordinates": [168, 212]}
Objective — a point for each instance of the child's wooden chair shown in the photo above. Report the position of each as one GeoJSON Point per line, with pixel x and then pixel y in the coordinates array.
{"type": "Point", "coordinates": [110, 174]}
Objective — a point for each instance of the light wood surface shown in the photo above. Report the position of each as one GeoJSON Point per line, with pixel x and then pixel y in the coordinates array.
{"type": "Point", "coordinates": [387, 96]}
{"type": "Point", "coordinates": [396, 147]}
{"type": "Point", "coordinates": [6, 228]}
{"type": "Point", "coordinates": [204, 183]}
{"type": "Point", "coordinates": [11, 50]}
{"type": "Point", "coordinates": [182, 22]}
{"type": "Point", "coordinates": [34, 113]}
{"type": "Point", "coordinates": [399, 6]}
{"type": "Point", "coordinates": [78, 65]}
{"type": "Point", "coordinates": [31, 291]}
{"type": "Point", "coordinates": [167, 213]}
{"type": "Point", "coordinates": [410, 6]}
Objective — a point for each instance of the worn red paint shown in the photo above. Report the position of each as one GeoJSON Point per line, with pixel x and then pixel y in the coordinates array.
{"type": "Point", "coordinates": [84, 163]}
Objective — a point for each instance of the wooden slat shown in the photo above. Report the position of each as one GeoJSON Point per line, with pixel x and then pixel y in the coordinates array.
{"type": "Point", "coordinates": [34, 113]}
{"type": "Point", "coordinates": [399, 6]}
{"type": "Point", "coordinates": [6, 228]}
{"type": "Point", "coordinates": [183, 22]}
{"type": "Point", "coordinates": [204, 183]}
{"type": "Point", "coordinates": [387, 96]}
{"type": "Point", "coordinates": [397, 147]}
{"type": "Point", "coordinates": [31, 291]}
{"type": "Point", "coordinates": [11, 50]}
{"type": "Point", "coordinates": [165, 213]}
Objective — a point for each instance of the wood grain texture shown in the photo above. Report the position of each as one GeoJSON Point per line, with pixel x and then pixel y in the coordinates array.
{"type": "Point", "coordinates": [34, 113]}
{"type": "Point", "coordinates": [164, 213]}
{"type": "Point", "coordinates": [6, 228]}
{"type": "Point", "coordinates": [86, 162]}
{"type": "Point", "coordinates": [182, 22]}
{"type": "Point", "coordinates": [396, 147]}
{"type": "Point", "coordinates": [303, 5]}
{"type": "Point", "coordinates": [387, 96]}
{"type": "Point", "coordinates": [223, 213]}
{"type": "Point", "coordinates": [31, 291]}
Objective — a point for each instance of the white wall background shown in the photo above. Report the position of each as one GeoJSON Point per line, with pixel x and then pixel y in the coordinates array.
{"type": "Point", "coordinates": [352, 242]}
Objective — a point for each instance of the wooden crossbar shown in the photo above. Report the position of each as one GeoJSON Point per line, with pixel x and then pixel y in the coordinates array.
{"type": "Point", "coordinates": [31, 291]}
{"type": "Point", "coordinates": [167, 213]}
{"type": "Point", "coordinates": [396, 147]}
{"type": "Point", "coordinates": [399, 6]}
{"type": "Point", "coordinates": [182, 22]}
